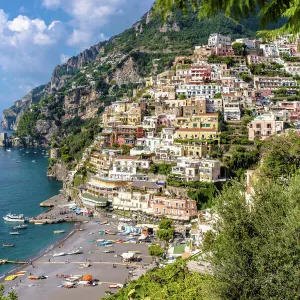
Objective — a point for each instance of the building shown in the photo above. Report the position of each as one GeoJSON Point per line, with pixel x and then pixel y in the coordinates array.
{"type": "Point", "coordinates": [265, 126]}
{"type": "Point", "coordinates": [274, 83]}
{"type": "Point", "coordinates": [232, 111]}
{"type": "Point", "coordinates": [101, 163]}
{"type": "Point", "coordinates": [216, 39]}
{"type": "Point", "coordinates": [206, 90]}
{"type": "Point", "coordinates": [209, 170]}
{"type": "Point", "coordinates": [174, 208]}
{"type": "Point", "coordinates": [196, 134]}
{"type": "Point", "coordinates": [3, 139]}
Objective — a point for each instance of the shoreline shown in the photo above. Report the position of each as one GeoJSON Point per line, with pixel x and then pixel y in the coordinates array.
{"type": "Point", "coordinates": [40, 254]}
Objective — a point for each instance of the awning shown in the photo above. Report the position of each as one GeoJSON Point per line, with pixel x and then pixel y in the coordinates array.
{"type": "Point", "coordinates": [126, 208]}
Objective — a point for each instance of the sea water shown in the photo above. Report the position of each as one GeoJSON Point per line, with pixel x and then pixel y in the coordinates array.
{"type": "Point", "coordinates": [23, 185]}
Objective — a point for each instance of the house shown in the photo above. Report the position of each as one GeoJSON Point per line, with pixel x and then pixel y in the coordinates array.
{"type": "Point", "coordinates": [196, 134]}
{"type": "Point", "coordinates": [274, 83]}
{"type": "Point", "coordinates": [101, 163]}
{"type": "Point", "coordinates": [264, 126]}
{"type": "Point", "coordinates": [186, 169]}
{"type": "Point", "coordinates": [232, 111]}
{"type": "Point", "coordinates": [174, 208]}
{"type": "Point", "coordinates": [216, 39]}
{"type": "Point", "coordinates": [132, 200]}
{"type": "Point", "coordinates": [207, 90]}
{"type": "Point", "coordinates": [209, 170]}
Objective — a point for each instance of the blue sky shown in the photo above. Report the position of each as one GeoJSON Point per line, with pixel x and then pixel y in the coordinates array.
{"type": "Point", "coordinates": [37, 35]}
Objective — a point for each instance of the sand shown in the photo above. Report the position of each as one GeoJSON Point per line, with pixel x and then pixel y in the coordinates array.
{"type": "Point", "coordinates": [101, 267]}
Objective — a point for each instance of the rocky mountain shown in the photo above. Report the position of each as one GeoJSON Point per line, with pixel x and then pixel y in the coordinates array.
{"type": "Point", "coordinates": [112, 69]}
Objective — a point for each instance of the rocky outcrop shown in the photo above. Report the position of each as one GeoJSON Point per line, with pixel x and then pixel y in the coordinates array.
{"type": "Point", "coordinates": [58, 171]}
{"type": "Point", "coordinates": [12, 115]}
{"type": "Point", "coordinates": [47, 129]}
{"type": "Point", "coordinates": [127, 72]}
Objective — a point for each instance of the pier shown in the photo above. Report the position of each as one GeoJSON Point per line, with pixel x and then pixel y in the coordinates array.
{"type": "Point", "coordinates": [53, 201]}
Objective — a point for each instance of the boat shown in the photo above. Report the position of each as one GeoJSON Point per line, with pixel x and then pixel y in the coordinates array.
{"type": "Point", "coordinates": [33, 161]}
{"type": "Point", "coordinates": [39, 223]}
{"type": "Point", "coordinates": [14, 218]}
{"type": "Point", "coordinates": [14, 233]}
{"type": "Point", "coordinates": [18, 161]}
{"type": "Point", "coordinates": [20, 227]}
{"type": "Point", "coordinates": [115, 286]}
{"type": "Point", "coordinates": [58, 254]}
{"type": "Point", "coordinates": [78, 251]}
{"type": "Point", "coordinates": [8, 150]}
{"type": "Point", "coordinates": [8, 245]}
{"type": "Point", "coordinates": [108, 251]}
{"type": "Point", "coordinates": [59, 231]}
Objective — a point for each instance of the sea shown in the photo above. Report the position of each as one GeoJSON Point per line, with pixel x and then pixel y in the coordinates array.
{"type": "Point", "coordinates": [23, 185]}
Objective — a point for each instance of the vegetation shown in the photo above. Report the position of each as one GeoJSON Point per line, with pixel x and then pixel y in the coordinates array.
{"type": "Point", "coordinates": [166, 230]}
{"type": "Point", "coordinates": [254, 250]}
{"type": "Point", "coordinates": [161, 168]}
{"type": "Point", "coordinates": [156, 250]}
{"type": "Point", "coordinates": [268, 12]}
{"type": "Point", "coordinates": [239, 49]}
{"type": "Point", "coordinates": [11, 295]}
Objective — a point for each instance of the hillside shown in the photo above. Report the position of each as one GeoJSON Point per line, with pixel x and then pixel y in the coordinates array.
{"type": "Point", "coordinates": [110, 70]}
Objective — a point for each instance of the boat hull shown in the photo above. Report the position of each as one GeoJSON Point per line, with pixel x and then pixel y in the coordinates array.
{"type": "Point", "coordinates": [6, 219]}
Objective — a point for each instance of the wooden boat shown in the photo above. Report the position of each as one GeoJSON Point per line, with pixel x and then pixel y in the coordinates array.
{"type": "Point", "coordinates": [8, 245]}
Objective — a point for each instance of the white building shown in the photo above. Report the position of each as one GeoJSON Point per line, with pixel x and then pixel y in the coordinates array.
{"type": "Point", "coordinates": [217, 39]}
{"type": "Point", "coordinates": [204, 90]}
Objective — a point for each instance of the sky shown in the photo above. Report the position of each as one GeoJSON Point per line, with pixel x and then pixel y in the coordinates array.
{"type": "Point", "coordinates": [37, 35]}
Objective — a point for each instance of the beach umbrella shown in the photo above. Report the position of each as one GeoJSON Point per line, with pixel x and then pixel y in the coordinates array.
{"type": "Point", "coordinates": [87, 277]}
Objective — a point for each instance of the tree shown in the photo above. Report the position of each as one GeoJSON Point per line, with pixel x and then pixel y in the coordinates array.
{"type": "Point", "coordinates": [165, 234]}
{"type": "Point", "coordinates": [165, 224]}
{"type": "Point", "coordinates": [156, 250]}
{"type": "Point", "coordinates": [255, 250]}
{"type": "Point", "coordinates": [268, 12]}
{"type": "Point", "coordinates": [11, 295]}
{"type": "Point", "coordinates": [239, 48]}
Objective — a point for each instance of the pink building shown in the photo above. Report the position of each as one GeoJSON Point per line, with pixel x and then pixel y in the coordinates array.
{"type": "Point", "coordinates": [264, 126]}
{"type": "Point", "coordinates": [224, 50]}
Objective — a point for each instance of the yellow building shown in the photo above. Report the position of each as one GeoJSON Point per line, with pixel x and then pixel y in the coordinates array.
{"type": "Point", "coordinates": [205, 121]}
{"type": "Point", "coordinates": [196, 134]}
{"type": "Point", "coordinates": [194, 150]}
{"type": "Point", "coordinates": [134, 117]}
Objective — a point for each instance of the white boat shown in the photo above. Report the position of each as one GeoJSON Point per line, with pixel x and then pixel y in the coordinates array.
{"type": "Point", "coordinates": [108, 251]}
{"type": "Point", "coordinates": [58, 254]}
{"type": "Point", "coordinates": [34, 161]}
{"type": "Point", "coordinates": [20, 227]}
{"type": "Point", "coordinates": [8, 150]}
{"type": "Point", "coordinates": [14, 233]}
{"type": "Point", "coordinates": [78, 251]}
{"type": "Point", "coordinates": [14, 218]}
{"type": "Point", "coordinates": [59, 231]}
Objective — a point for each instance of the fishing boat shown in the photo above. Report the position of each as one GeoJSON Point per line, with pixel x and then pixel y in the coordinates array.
{"type": "Point", "coordinates": [59, 231]}
{"type": "Point", "coordinates": [20, 227]}
{"type": "Point", "coordinates": [78, 251]}
{"type": "Point", "coordinates": [58, 254]}
{"type": "Point", "coordinates": [108, 251]}
{"type": "Point", "coordinates": [14, 218]}
{"type": "Point", "coordinates": [8, 245]}
{"type": "Point", "coordinates": [14, 233]}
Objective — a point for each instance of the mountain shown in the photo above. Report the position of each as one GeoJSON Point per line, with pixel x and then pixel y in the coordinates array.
{"type": "Point", "coordinates": [112, 69]}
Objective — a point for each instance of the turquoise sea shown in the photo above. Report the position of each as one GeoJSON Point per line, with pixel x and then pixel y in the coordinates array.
{"type": "Point", "coordinates": [23, 185]}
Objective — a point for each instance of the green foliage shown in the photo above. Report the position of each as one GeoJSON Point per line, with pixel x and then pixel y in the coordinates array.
{"type": "Point", "coordinates": [27, 124]}
{"type": "Point", "coordinates": [255, 250]}
{"type": "Point", "coordinates": [80, 79]}
{"type": "Point", "coordinates": [161, 168]}
{"type": "Point", "coordinates": [156, 250]}
{"type": "Point", "coordinates": [165, 224]}
{"type": "Point", "coordinates": [269, 12]}
{"type": "Point", "coordinates": [281, 156]}
{"type": "Point", "coordinates": [170, 283]}
{"type": "Point", "coordinates": [246, 77]}
{"type": "Point", "coordinates": [239, 49]}
{"type": "Point", "coordinates": [11, 295]}
{"type": "Point", "coordinates": [271, 69]}
{"type": "Point", "coordinates": [212, 59]}
{"type": "Point", "coordinates": [126, 149]}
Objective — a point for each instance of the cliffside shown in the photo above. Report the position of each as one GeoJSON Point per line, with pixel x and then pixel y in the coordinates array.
{"type": "Point", "coordinates": [94, 78]}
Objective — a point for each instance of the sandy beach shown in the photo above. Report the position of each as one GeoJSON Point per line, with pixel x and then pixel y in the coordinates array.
{"type": "Point", "coordinates": [101, 266]}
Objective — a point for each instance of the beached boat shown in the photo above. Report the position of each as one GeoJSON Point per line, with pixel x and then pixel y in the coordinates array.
{"type": "Point", "coordinates": [20, 227]}
{"type": "Point", "coordinates": [116, 286]}
{"type": "Point", "coordinates": [14, 233]}
{"type": "Point", "coordinates": [8, 245]}
{"type": "Point", "coordinates": [39, 223]}
{"type": "Point", "coordinates": [108, 251]}
{"type": "Point", "coordinates": [14, 218]}
{"type": "Point", "coordinates": [78, 251]}
{"type": "Point", "coordinates": [59, 231]}
{"type": "Point", "coordinates": [58, 254]}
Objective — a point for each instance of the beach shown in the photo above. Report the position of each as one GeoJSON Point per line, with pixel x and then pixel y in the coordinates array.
{"type": "Point", "coordinates": [101, 266]}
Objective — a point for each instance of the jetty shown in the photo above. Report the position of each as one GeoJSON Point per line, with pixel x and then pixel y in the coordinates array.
{"type": "Point", "coordinates": [53, 201]}
{"type": "Point", "coordinates": [6, 261]}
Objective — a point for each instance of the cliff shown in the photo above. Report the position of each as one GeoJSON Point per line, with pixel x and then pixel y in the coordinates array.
{"type": "Point", "coordinates": [95, 77]}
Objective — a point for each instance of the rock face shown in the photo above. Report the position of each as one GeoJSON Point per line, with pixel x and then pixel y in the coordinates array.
{"type": "Point", "coordinates": [58, 171]}
{"type": "Point", "coordinates": [127, 72]}
{"type": "Point", "coordinates": [46, 128]}
{"type": "Point", "coordinates": [12, 115]}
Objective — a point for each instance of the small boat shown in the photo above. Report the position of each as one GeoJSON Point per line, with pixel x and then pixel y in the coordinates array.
{"type": "Point", "coordinates": [59, 231]}
{"type": "Point", "coordinates": [58, 254]}
{"type": "Point", "coordinates": [33, 161]}
{"type": "Point", "coordinates": [108, 251]}
{"type": "Point", "coordinates": [40, 223]}
{"type": "Point", "coordinates": [20, 227]}
{"type": "Point", "coordinates": [115, 286]}
{"type": "Point", "coordinates": [14, 218]}
{"type": "Point", "coordinates": [18, 161]}
{"type": "Point", "coordinates": [78, 251]}
{"type": "Point", "coordinates": [14, 233]}
{"type": "Point", "coordinates": [27, 151]}
{"type": "Point", "coordinates": [8, 150]}
{"type": "Point", "coordinates": [8, 245]}
{"type": "Point", "coordinates": [34, 152]}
